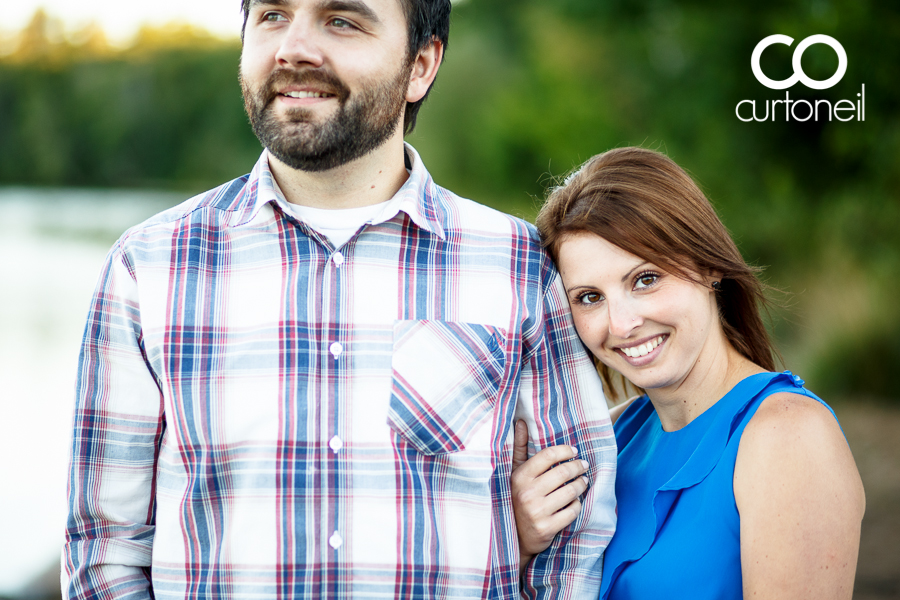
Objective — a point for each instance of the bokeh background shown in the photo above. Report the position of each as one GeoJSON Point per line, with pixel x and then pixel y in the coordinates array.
{"type": "Point", "coordinates": [103, 122]}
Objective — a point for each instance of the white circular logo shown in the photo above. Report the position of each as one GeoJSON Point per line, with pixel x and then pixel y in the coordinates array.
{"type": "Point", "coordinates": [799, 75]}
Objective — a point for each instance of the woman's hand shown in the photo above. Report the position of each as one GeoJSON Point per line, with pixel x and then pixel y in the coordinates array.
{"type": "Point", "coordinates": [545, 492]}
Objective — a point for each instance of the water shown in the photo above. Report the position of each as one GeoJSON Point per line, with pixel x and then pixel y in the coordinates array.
{"type": "Point", "coordinates": [52, 246]}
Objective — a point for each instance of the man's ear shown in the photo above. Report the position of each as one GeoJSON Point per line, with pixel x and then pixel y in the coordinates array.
{"type": "Point", "coordinates": [424, 70]}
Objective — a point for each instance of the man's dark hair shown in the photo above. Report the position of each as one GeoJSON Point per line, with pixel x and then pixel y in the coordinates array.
{"type": "Point", "coordinates": [426, 20]}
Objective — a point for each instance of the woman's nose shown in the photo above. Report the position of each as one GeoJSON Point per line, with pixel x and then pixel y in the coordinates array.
{"type": "Point", "coordinates": [623, 317]}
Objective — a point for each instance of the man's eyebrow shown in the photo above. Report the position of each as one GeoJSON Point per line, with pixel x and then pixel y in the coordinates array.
{"type": "Point", "coordinates": [351, 6]}
{"type": "Point", "coordinates": [267, 3]}
{"type": "Point", "coordinates": [348, 6]}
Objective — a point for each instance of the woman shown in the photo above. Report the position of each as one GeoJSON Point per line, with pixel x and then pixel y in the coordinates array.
{"type": "Point", "coordinates": [732, 479]}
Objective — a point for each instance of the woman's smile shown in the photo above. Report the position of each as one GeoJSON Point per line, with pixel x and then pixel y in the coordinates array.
{"type": "Point", "coordinates": [643, 352]}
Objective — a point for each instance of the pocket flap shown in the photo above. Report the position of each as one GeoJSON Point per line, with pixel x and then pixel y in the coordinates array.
{"type": "Point", "coordinates": [446, 377]}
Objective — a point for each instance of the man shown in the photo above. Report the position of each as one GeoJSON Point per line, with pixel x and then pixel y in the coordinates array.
{"type": "Point", "coordinates": [303, 383]}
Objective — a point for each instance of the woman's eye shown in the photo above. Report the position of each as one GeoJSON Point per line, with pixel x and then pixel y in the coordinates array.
{"type": "Point", "coordinates": [590, 298]}
{"type": "Point", "coordinates": [645, 280]}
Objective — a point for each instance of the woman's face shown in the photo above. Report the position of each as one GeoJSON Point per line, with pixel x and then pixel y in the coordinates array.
{"type": "Point", "coordinates": [653, 327]}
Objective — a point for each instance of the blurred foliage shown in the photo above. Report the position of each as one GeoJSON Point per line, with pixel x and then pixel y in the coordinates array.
{"type": "Point", "coordinates": [166, 112]}
{"type": "Point", "coordinates": [529, 90]}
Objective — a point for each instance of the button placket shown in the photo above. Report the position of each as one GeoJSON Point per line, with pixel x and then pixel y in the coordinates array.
{"type": "Point", "coordinates": [330, 460]}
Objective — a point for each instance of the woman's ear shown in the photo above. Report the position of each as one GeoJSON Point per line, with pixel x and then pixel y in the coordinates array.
{"type": "Point", "coordinates": [713, 280]}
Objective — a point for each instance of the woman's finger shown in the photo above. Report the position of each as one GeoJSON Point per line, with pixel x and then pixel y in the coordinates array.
{"type": "Point", "coordinates": [535, 535]}
{"type": "Point", "coordinates": [540, 506]}
{"type": "Point", "coordinates": [563, 517]}
{"type": "Point", "coordinates": [545, 483]}
{"type": "Point", "coordinates": [563, 496]}
{"type": "Point", "coordinates": [520, 445]}
{"type": "Point", "coordinates": [545, 459]}
{"type": "Point", "coordinates": [538, 498]}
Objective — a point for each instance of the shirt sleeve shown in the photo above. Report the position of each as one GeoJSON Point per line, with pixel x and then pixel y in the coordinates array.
{"type": "Point", "coordinates": [561, 399]}
{"type": "Point", "coordinates": [118, 425]}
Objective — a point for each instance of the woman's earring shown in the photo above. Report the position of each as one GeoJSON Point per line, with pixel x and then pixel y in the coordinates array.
{"type": "Point", "coordinates": [716, 286]}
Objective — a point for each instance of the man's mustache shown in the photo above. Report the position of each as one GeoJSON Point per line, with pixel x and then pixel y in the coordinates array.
{"type": "Point", "coordinates": [323, 80]}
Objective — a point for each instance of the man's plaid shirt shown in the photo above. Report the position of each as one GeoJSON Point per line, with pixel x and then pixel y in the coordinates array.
{"type": "Point", "coordinates": [261, 415]}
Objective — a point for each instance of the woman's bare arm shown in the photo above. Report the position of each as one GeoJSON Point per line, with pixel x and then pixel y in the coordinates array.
{"type": "Point", "coordinates": [801, 503]}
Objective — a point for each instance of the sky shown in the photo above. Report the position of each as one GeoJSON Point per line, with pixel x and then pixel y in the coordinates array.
{"type": "Point", "coordinates": [121, 20]}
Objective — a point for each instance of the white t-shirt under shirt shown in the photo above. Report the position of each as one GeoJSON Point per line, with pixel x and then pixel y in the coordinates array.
{"type": "Point", "coordinates": [337, 225]}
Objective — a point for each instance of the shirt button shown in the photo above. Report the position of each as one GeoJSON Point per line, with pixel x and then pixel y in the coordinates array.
{"type": "Point", "coordinates": [336, 349]}
{"type": "Point", "coordinates": [335, 540]}
{"type": "Point", "coordinates": [336, 444]}
{"type": "Point", "coordinates": [338, 259]}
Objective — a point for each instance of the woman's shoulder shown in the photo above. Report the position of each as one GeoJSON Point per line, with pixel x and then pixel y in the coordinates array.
{"type": "Point", "coordinates": [794, 437]}
{"type": "Point", "coordinates": [766, 398]}
{"type": "Point", "coordinates": [787, 420]}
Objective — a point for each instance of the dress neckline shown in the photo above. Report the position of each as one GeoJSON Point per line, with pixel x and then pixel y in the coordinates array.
{"type": "Point", "coordinates": [705, 418]}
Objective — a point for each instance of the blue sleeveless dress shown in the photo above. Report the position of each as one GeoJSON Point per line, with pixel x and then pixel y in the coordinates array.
{"type": "Point", "coordinates": [678, 534]}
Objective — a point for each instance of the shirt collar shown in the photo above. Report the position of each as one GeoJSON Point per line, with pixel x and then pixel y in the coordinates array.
{"type": "Point", "coordinates": [419, 197]}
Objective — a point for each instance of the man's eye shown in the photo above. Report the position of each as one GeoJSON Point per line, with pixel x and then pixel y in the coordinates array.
{"type": "Point", "coordinates": [340, 23]}
{"type": "Point", "coordinates": [273, 17]}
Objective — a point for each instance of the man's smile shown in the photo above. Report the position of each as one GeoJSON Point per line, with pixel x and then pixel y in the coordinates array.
{"type": "Point", "coordinates": [307, 95]}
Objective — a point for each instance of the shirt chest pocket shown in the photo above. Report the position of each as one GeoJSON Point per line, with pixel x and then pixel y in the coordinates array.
{"type": "Point", "coordinates": [445, 381]}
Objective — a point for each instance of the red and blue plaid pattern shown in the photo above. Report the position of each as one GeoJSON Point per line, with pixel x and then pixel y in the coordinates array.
{"type": "Point", "coordinates": [260, 415]}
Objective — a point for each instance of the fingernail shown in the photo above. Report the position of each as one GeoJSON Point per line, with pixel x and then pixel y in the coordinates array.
{"type": "Point", "coordinates": [585, 464]}
{"type": "Point", "coordinates": [574, 451]}
{"type": "Point", "coordinates": [585, 480]}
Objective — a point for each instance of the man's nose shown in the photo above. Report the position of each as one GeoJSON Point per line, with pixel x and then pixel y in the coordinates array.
{"type": "Point", "coordinates": [300, 46]}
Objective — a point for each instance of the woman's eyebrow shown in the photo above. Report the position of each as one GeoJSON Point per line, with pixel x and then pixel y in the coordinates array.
{"type": "Point", "coordinates": [576, 288]}
{"type": "Point", "coordinates": [628, 274]}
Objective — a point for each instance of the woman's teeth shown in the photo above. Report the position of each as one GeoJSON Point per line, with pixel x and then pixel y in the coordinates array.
{"type": "Point", "coordinates": [643, 349]}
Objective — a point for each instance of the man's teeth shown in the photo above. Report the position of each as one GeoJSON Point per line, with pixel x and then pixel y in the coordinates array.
{"type": "Point", "coordinates": [306, 94]}
{"type": "Point", "coordinates": [643, 349]}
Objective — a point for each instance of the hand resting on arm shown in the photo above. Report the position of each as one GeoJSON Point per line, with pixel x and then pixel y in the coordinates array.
{"type": "Point", "coordinates": [546, 490]}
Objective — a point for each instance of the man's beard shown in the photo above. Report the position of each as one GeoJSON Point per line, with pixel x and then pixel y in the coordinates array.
{"type": "Point", "coordinates": [361, 124]}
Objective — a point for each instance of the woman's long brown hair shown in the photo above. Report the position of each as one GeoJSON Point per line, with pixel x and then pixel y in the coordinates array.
{"type": "Point", "coordinates": [644, 203]}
